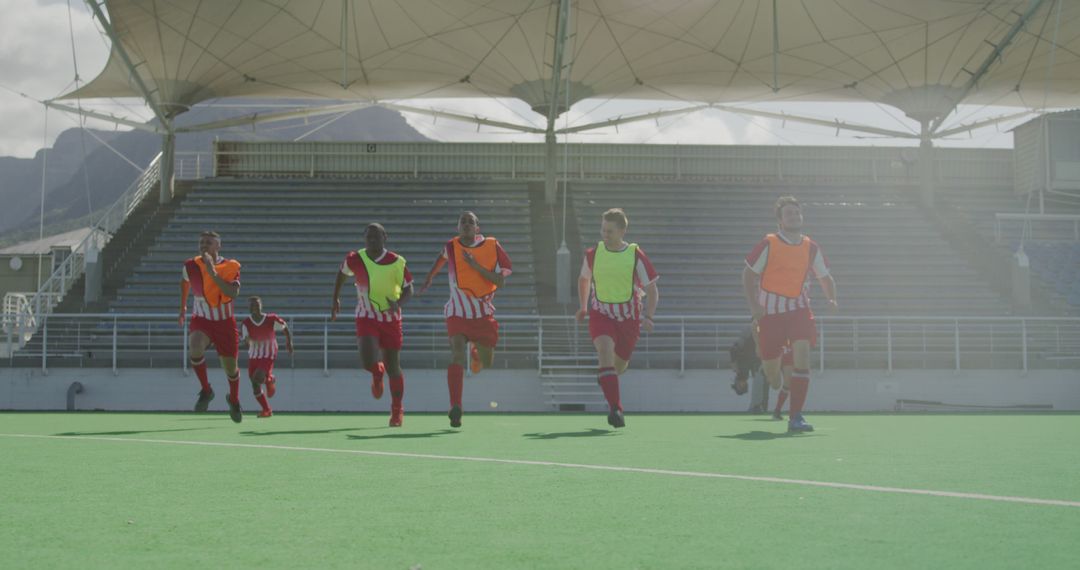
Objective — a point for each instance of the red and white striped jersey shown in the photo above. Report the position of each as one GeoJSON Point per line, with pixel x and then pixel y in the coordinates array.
{"type": "Point", "coordinates": [774, 303]}
{"type": "Point", "coordinates": [364, 308]}
{"type": "Point", "coordinates": [262, 335]}
{"type": "Point", "coordinates": [644, 274]}
{"type": "Point", "coordinates": [462, 303]}
{"type": "Point", "coordinates": [200, 307]}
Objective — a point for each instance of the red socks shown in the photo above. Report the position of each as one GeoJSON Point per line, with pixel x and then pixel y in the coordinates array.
{"type": "Point", "coordinates": [800, 385]}
{"type": "Point", "coordinates": [199, 366]}
{"type": "Point", "coordinates": [780, 399]}
{"type": "Point", "coordinates": [609, 383]}
{"type": "Point", "coordinates": [397, 391]}
{"type": "Point", "coordinates": [261, 398]}
{"type": "Point", "coordinates": [455, 378]}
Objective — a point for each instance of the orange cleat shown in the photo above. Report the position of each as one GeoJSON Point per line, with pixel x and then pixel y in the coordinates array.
{"type": "Point", "coordinates": [396, 417]}
{"type": "Point", "coordinates": [271, 387]}
{"type": "Point", "coordinates": [266, 413]}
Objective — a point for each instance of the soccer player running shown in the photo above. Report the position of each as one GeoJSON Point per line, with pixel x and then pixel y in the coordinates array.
{"type": "Point", "coordinates": [383, 285]}
{"type": "Point", "coordinates": [213, 283]}
{"type": "Point", "coordinates": [614, 275]}
{"type": "Point", "coordinates": [773, 280]}
{"type": "Point", "coordinates": [478, 267]}
{"type": "Point", "coordinates": [260, 331]}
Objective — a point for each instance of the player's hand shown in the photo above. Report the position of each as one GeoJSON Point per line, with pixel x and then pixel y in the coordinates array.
{"type": "Point", "coordinates": [580, 315]}
{"type": "Point", "coordinates": [469, 259]}
{"type": "Point", "coordinates": [424, 287]}
{"type": "Point", "coordinates": [394, 305]}
{"type": "Point", "coordinates": [208, 262]}
{"type": "Point", "coordinates": [646, 324]}
{"type": "Point", "coordinates": [182, 318]}
{"type": "Point", "coordinates": [335, 307]}
{"type": "Point", "coordinates": [833, 306]}
{"type": "Point", "coordinates": [288, 346]}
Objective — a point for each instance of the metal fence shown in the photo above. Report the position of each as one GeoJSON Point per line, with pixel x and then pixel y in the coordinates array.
{"type": "Point", "coordinates": [525, 161]}
{"type": "Point", "coordinates": [678, 342]}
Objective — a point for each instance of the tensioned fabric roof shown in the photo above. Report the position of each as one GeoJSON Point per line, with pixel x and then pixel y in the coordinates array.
{"type": "Point", "coordinates": [922, 56]}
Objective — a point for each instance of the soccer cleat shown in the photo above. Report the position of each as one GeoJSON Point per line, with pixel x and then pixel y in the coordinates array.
{"type": "Point", "coordinates": [777, 416]}
{"type": "Point", "coordinates": [396, 417]}
{"type": "Point", "coordinates": [455, 416]}
{"type": "Point", "coordinates": [234, 410]}
{"type": "Point", "coordinates": [615, 419]}
{"type": "Point", "coordinates": [475, 365]}
{"type": "Point", "coordinates": [797, 424]}
{"type": "Point", "coordinates": [377, 382]}
{"type": "Point", "coordinates": [271, 387]}
{"type": "Point", "coordinates": [204, 400]}
{"type": "Point", "coordinates": [266, 413]}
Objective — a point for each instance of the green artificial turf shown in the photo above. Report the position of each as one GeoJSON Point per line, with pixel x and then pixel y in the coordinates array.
{"type": "Point", "coordinates": [85, 500]}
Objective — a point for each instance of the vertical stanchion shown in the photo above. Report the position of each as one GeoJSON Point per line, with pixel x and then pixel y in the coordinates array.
{"type": "Point", "coordinates": [326, 348]}
{"type": "Point", "coordinates": [888, 329]}
{"type": "Point", "coordinates": [540, 348]}
{"type": "Point", "coordinates": [184, 341]}
{"type": "Point", "coordinates": [821, 348]}
{"type": "Point", "coordinates": [682, 346]}
{"type": "Point", "coordinates": [956, 342]}
{"type": "Point", "coordinates": [1023, 343]}
{"type": "Point", "coordinates": [114, 335]}
{"type": "Point", "coordinates": [45, 344]}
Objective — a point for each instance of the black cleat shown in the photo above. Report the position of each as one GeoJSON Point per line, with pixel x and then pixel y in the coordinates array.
{"type": "Point", "coordinates": [234, 410]}
{"type": "Point", "coordinates": [777, 416]}
{"type": "Point", "coordinates": [615, 419]}
{"type": "Point", "coordinates": [204, 400]}
{"type": "Point", "coordinates": [455, 416]}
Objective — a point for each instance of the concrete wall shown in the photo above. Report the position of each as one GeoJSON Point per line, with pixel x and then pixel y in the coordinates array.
{"type": "Point", "coordinates": [520, 391]}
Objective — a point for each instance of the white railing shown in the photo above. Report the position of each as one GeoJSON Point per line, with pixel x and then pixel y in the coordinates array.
{"type": "Point", "coordinates": [678, 342]}
{"type": "Point", "coordinates": [52, 291]}
{"type": "Point", "coordinates": [1027, 221]}
{"type": "Point", "coordinates": [191, 165]}
{"type": "Point", "coordinates": [526, 161]}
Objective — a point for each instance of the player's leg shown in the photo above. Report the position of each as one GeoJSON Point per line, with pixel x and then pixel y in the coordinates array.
{"type": "Point", "coordinates": [226, 340]}
{"type": "Point", "coordinates": [258, 380]}
{"type": "Point", "coordinates": [800, 385]}
{"type": "Point", "coordinates": [198, 342]}
{"type": "Point", "coordinates": [391, 342]}
{"type": "Point", "coordinates": [455, 373]}
{"type": "Point", "coordinates": [787, 364]}
{"type": "Point", "coordinates": [608, 378]}
{"type": "Point", "coordinates": [367, 343]}
{"type": "Point", "coordinates": [484, 336]}
{"type": "Point", "coordinates": [773, 376]}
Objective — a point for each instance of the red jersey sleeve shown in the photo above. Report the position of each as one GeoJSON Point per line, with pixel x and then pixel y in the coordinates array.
{"type": "Point", "coordinates": [755, 254]}
{"type": "Point", "coordinates": [644, 271]}
{"type": "Point", "coordinates": [502, 261]}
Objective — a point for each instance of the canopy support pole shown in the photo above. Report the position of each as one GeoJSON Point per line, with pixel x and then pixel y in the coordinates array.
{"type": "Point", "coordinates": [553, 102]}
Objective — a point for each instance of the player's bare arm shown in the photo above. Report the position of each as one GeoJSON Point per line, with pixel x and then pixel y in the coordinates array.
{"type": "Point", "coordinates": [335, 302]}
{"type": "Point", "coordinates": [495, 278]}
{"type": "Point", "coordinates": [435, 269]}
{"type": "Point", "coordinates": [406, 294]}
{"type": "Point", "coordinates": [184, 288]}
{"type": "Point", "coordinates": [230, 290]}
{"type": "Point", "coordinates": [288, 339]}
{"type": "Point", "coordinates": [750, 287]}
{"type": "Point", "coordinates": [583, 297]}
{"type": "Point", "coordinates": [828, 285]}
{"type": "Point", "coordinates": [652, 299]}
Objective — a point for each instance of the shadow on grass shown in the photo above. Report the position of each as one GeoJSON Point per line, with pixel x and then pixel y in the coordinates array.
{"type": "Point", "coordinates": [307, 431]}
{"type": "Point", "coordinates": [128, 432]}
{"type": "Point", "coordinates": [561, 434]}
{"type": "Point", "coordinates": [404, 435]}
{"type": "Point", "coordinates": [765, 435]}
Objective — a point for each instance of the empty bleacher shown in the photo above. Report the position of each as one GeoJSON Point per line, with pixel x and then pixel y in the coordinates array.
{"type": "Point", "coordinates": [887, 258]}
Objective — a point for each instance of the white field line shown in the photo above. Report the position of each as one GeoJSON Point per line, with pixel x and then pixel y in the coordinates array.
{"type": "Point", "coordinates": [643, 470]}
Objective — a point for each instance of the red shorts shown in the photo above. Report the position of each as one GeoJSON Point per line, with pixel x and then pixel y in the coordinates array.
{"type": "Point", "coordinates": [776, 331]}
{"type": "Point", "coordinates": [223, 335]}
{"type": "Point", "coordinates": [483, 331]}
{"type": "Point", "coordinates": [788, 359]}
{"type": "Point", "coordinates": [624, 333]}
{"type": "Point", "coordinates": [256, 364]}
{"type": "Point", "coordinates": [388, 332]}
